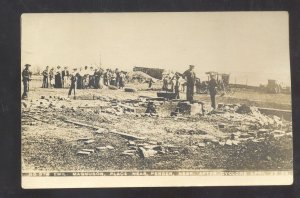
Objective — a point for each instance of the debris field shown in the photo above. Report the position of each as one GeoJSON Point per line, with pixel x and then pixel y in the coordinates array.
{"type": "Point", "coordinates": [112, 132]}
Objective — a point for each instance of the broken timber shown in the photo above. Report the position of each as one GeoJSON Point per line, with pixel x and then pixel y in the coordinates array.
{"type": "Point", "coordinates": [81, 124]}
{"type": "Point", "coordinates": [286, 114]}
{"type": "Point", "coordinates": [38, 119]}
{"type": "Point", "coordinates": [126, 135]}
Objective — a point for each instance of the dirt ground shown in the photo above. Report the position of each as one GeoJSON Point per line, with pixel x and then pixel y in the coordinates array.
{"type": "Point", "coordinates": [228, 141]}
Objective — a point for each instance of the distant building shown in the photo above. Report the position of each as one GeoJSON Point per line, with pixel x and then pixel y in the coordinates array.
{"type": "Point", "coordinates": [153, 72]}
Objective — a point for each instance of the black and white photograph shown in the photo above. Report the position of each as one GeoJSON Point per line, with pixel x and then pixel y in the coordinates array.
{"type": "Point", "coordinates": [155, 99]}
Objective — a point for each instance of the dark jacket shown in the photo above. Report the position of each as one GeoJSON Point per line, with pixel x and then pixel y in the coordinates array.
{"type": "Point", "coordinates": [26, 74]}
{"type": "Point", "coordinates": [190, 77]}
{"type": "Point", "coordinates": [45, 73]}
{"type": "Point", "coordinates": [64, 73]}
{"type": "Point", "coordinates": [212, 86]}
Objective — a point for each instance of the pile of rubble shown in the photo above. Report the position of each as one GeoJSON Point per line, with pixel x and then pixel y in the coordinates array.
{"type": "Point", "coordinates": [238, 123]}
{"type": "Point", "coordinates": [136, 146]}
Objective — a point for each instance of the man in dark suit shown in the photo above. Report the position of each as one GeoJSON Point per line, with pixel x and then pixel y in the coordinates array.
{"type": "Point", "coordinates": [65, 76]}
{"type": "Point", "coordinates": [190, 77]}
{"type": "Point", "coordinates": [212, 88]}
{"type": "Point", "coordinates": [26, 75]}
{"type": "Point", "coordinates": [73, 83]}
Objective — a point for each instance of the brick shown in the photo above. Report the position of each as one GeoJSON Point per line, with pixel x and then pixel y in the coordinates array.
{"type": "Point", "coordinates": [128, 152]}
{"type": "Point", "coordinates": [101, 130]}
{"type": "Point", "coordinates": [101, 148]}
{"type": "Point", "coordinates": [228, 142]}
{"type": "Point", "coordinates": [88, 141]}
{"type": "Point", "coordinates": [235, 142]}
{"type": "Point", "coordinates": [278, 135]}
{"type": "Point", "coordinates": [221, 125]}
{"type": "Point", "coordinates": [147, 153]}
{"type": "Point", "coordinates": [278, 132]}
{"type": "Point", "coordinates": [88, 150]}
{"type": "Point", "coordinates": [201, 145]}
{"type": "Point", "coordinates": [215, 141]}
{"type": "Point", "coordinates": [263, 130]}
{"type": "Point", "coordinates": [83, 153]}
{"type": "Point", "coordinates": [110, 147]}
{"type": "Point", "coordinates": [131, 143]}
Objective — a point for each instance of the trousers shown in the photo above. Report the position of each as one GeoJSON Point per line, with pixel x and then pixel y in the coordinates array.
{"type": "Point", "coordinates": [45, 82]}
{"type": "Point", "coordinates": [72, 87]}
{"type": "Point", "coordinates": [213, 100]}
{"type": "Point", "coordinates": [190, 92]}
{"type": "Point", "coordinates": [25, 91]}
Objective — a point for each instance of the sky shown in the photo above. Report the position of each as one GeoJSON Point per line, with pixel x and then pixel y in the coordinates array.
{"type": "Point", "coordinates": [251, 46]}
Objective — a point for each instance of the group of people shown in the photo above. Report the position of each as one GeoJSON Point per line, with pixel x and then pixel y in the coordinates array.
{"type": "Point", "coordinates": [82, 79]}
{"type": "Point", "coordinates": [85, 77]}
{"type": "Point", "coordinates": [175, 81]}
{"type": "Point", "coordinates": [190, 77]}
{"type": "Point", "coordinates": [96, 78]}
{"type": "Point", "coordinates": [188, 81]}
{"type": "Point", "coordinates": [55, 78]}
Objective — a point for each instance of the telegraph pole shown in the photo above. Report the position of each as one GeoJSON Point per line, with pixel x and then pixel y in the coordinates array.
{"type": "Point", "coordinates": [100, 59]}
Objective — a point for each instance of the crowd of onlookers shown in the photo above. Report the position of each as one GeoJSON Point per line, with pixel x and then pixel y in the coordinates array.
{"type": "Point", "coordinates": [84, 77]}
{"type": "Point", "coordinates": [89, 77]}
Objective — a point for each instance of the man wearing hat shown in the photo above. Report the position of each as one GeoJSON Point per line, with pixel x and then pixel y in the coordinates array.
{"type": "Point", "coordinates": [26, 74]}
{"type": "Point", "coordinates": [73, 82]}
{"type": "Point", "coordinates": [212, 87]}
{"type": "Point", "coordinates": [190, 77]}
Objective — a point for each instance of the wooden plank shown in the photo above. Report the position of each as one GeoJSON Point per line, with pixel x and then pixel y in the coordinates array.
{"type": "Point", "coordinates": [282, 113]}
{"type": "Point", "coordinates": [84, 107]}
{"type": "Point", "coordinates": [81, 124]}
{"type": "Point", "coordinates": [128, 136]}
{"type": "Point", "coordinates": [38, 119]}
{"type": "Point", "coordinates": [279, 110]}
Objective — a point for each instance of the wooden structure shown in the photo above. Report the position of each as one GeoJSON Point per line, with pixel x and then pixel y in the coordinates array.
{"type": "Point", "coordinates": [153, 72]}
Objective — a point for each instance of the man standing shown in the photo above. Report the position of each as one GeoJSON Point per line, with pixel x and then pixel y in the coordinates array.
{"type": "Point", "coordinates": [177, 86]}
{"type": "Point", "coordinates": [80, 75]}
{"type": "Point", "coordinates": [212, 88]}
{"type": "Point", "coordinates": [150, 83]}
{"type": "Point", "coordinates": [165, 83]}
{"type": "Point", "coordinates": [73, 83]}
{"type": "Point", "coordinates": [45, 78]}
{"type": "Point", "coordinates": [26, 74]}
{"type": "Point", "coordinates": [198, 86]}
{"type": "Point", "coordinates": [117, 72]}
{"type": "Point", "coordinates": [121, 83]}
{"type": "Point", "coordinates": [65, 76]}
{"type": "Point", "coordinates": [190, 77]}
